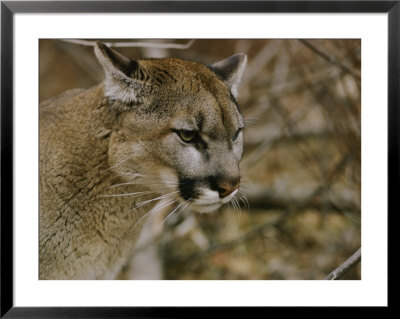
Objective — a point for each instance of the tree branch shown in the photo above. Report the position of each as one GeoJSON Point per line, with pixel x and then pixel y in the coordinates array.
{"type": "Point", "coordinates": [135, 44]}
{"type": "Point", "coordinates": [260, 198]}
{"type": "Point", "coordinates": [340, 271]}
{"type": "Point", "coordinates": [251, 234]}
{"type": "Point", "coordinates": [331, 59]}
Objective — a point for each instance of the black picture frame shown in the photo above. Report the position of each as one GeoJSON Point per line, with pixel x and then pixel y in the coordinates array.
{"type": "Point", "coordinates": [9, 8]}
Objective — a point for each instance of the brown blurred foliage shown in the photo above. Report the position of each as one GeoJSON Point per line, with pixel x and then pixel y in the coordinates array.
{"type": "Point", "coordinates": [301, 101]}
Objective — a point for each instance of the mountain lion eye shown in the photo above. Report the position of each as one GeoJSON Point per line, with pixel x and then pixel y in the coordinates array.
{"type": "Point", "coordinates": [187, 136]}
{"type": "Point", "coordinates": [236, 135]}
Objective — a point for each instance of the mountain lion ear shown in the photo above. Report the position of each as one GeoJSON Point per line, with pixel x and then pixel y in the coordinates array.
{"type": "Point", "coordinates": [231, 70]}
{"type": "Point", "coordinates": [112, 61]}
{"type": "Point", "coordinates": [120, 75]}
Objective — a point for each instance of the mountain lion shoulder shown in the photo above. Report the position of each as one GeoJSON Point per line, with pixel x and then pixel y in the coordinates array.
{"type": "Point", "coordinates": [155, 129]}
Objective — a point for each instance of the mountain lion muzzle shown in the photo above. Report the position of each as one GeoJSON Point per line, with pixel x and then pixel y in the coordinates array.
{"type": "Point", "coordinates": [156, 129]}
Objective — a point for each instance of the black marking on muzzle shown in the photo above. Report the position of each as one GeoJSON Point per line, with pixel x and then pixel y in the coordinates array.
{"type": "Point", "coordinates": [187, 187]}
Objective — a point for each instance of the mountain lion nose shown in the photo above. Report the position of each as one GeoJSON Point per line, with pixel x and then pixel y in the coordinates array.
{"type": "Point", "coordinates": [225, 189]}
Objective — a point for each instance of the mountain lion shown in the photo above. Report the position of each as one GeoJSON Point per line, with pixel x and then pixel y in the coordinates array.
{"type": "Point", "coordinates": [156, 129]}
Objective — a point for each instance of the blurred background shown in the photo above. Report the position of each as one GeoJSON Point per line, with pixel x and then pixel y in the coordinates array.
{"type": "Point", "coordinates": [299, 212]}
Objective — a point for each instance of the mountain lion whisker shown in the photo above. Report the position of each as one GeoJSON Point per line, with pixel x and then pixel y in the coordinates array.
{"type": "Point", "coordinates": [238, 205]}
{"type": "Point", "coordinates": [155, 208]}
{"type": "Point", "coordinates": [123, 161]}
{"type": "Point", "coordinates": [188, 202]}
{"type": "Point", "coordinates": [120, 184]}
{"type": "Point", "coordinates": [125, 173]}
{"type": "Point", "coordinates": [141, 183]}
{"type": "Point", "coordinates": [158, 177]}
{"type": "Point", "coordinates": [127, 194]}
{"type": "Point", "coordinates": [152, 200]}
{"type": "Point", "coordinates": [174, 211]}
{"type": "Point", "coordinates": [243, 198]}
{"type": "Point", "coordinates": [235, 205]}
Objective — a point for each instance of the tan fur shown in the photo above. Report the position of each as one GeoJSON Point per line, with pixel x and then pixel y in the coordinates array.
{"type": "Point", "coordinates": [120, 137]}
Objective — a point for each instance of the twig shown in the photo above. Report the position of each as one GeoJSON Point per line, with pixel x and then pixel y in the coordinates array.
{"type": "Point", "coordinates": [260, 198]}
{"type": "Point", "coordinates": [340, 271]}
{"type": "Point", "coordinates": [331, 59]}
{"type": "Point", "coordinates": [251, 234]}
{"type": "Point", "coordinates": [135, 44]}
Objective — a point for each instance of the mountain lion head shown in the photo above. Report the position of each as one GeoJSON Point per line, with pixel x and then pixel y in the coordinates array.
{"type": "Point", "coordinates": [156, 130]}
{"type": "Point", "coordinates": [179, 126]}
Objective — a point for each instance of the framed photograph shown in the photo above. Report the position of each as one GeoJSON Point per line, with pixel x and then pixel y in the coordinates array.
{"type": "Point", "coordinates": [163, 155]}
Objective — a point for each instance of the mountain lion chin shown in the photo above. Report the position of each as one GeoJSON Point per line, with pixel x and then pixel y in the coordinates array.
{"type": "Point", "coordinates": [205, 209]}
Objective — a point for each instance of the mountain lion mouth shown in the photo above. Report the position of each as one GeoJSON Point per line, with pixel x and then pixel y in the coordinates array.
{"type": "Point", "coordinates": [210, 201]}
